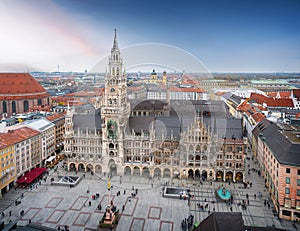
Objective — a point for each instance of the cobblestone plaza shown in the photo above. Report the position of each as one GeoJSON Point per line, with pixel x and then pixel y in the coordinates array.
{"type": "Point", "coordinates": [57, 206]}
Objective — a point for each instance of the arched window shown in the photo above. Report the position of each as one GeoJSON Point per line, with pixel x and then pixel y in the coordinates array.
{"type": "Point", "coordinates": [39, 101]}
{"type": "Point", "coordinates": [25, 105]}
{"type": "Point", "coordinates": [13, 107]}
{"type": "Point", "coordinates": [4, 107]}
{"type": "Point", "coordinates": [111, 145]}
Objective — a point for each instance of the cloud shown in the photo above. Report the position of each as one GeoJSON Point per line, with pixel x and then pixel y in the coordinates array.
{"type": "Point", "coordinates": [39, 33]}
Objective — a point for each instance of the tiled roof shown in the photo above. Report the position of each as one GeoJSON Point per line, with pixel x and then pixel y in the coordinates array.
{"type": "Point", "coordinates": [135, 88]}
{"type": "Point", "coordinates": [260, 127]}
{"type": "Point", "coordinates": [296, 93]}
{"type": "Point", "coordinates": [54, 116]}
{"type": "Point", "coordinates": [244, 106]}
{"type": "Point", "coordinates": [177, 89]}
{"type": "Point", "coordinates": [90, 121]}
{"type": "Point", "coordinates": [40, 108]}
{"type": "Point", "coordinates": [19, 84]}
{"type": "Point", "coordinates": [65, 100]}
{"type": "Point", "coordinates": [18, 135]}
{"type": "Point", "coordinates": [285, 151]}
{"type": "Point", "coordinates": [220, 93]}
{"type": "Point", "coordinates": [280, 94]}
{"type": "Point", "coordinates": [190, 80]}
{"type": "Point", "coordinates": [258, 117]}
{"type": "Point", "coordinates": [270, 102]}
{"type": "Point", "coordinates": [272, 94]}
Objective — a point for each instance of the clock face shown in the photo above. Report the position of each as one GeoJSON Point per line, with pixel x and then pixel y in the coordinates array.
{"type": "Point", "coordinates": [112, 90]}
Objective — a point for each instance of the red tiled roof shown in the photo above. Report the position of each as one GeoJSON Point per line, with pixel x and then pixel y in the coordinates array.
{"type": "Point", "coordinates": [296, 93]}
{"type": "Point", "coordinates": [3, 145]}
{"type": "Point", "coordinates": [285, 94]}
{"type": "Point", "coordinates": [177, 89]}
{"type": "Point", "coordinates": [244, 106]}
{"type": "Point", "coordinates": [189, 80]}
{"type": "Point", "coordinates": [35, 108]}
{"type": "Point", "coordinates": [270, 102]}
{"type": "Point", "coordinates": [272, 94]}
{"type": "Point", "coordinates": [18, 135]}
{"type": "Point", "coordinates": [54, 116]}
{"type": "Point", "coordinates": [280, 94]}
{"type": "Point", "coordinates": [262, 108]}
{"type": "Point", "coordinates": [220, 93]}
{"type": "Point", "coordinates": [19, 84]}
{"type": "Point", "coordinates": [63, 99]}
{"type": "Point", "coordinates": [135, 88]}
{"type": "Point", "coordinates": [258, 117]}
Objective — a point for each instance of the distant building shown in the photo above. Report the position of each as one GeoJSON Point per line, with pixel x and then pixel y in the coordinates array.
{"type": "Point", "coordinates": [19, 92]}
{"type": "Point", "coordinates": [270, 84]}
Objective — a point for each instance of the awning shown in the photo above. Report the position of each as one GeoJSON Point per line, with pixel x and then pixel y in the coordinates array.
{"type": "Point", "coordinates": [30, 176]}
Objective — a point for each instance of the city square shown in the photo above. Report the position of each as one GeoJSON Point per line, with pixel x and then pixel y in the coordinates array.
{"type": "Point", "coordinates": [189, 120]}
{"type": "Point", "coordinates": [139, 200]}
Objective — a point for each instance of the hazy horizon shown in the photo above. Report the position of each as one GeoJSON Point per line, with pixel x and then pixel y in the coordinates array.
{"type": "Point", "coordinates": [228, 37]}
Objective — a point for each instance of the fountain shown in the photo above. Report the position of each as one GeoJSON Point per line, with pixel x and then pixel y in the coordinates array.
{"type": "Point", "coordinates": [223, 194]}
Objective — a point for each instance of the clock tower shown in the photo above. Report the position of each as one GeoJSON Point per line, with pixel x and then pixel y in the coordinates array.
{"type": "Point", "coordinates": [114, 112]}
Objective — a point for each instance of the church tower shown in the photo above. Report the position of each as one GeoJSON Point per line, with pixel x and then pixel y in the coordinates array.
{"type": "Point", "coordinates": [114, 112]}
{"type": "Point", "coordinates": [69, 132]}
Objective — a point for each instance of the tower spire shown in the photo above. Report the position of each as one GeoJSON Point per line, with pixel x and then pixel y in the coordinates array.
{"type": "Point", "coordinates": [115, 45]}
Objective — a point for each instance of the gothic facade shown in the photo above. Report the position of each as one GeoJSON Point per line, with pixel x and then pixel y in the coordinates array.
{"type": "Point", "coordinates": [148, 138]}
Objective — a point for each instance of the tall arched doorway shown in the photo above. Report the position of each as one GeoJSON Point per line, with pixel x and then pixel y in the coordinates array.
{"type": "Point", "coordinates": [219, 176]}
{"type": "Point", "coordinates": [239, 177]}
{"type": "Point", "coordinates": [197, 174]}
{"type": "Point", "coordinates": [145, 172]}
{"type": "Point", "coordinates": [204, 175]}
{"type": "Point", "coordinates": [72, 167]}
{"type": "Point", "coordinates": [127, 171]}
{"type": "Point", "coordinates": [98, 169]}
{"type": "Point", "coordinates": [112, 167]}
{"type": "Point", "coordinates": [136, 171]}
{"type": "Point", "coordinates": [157, 172]}
{"type": "Point", "coordinates": [89, 168]}
{"type": "Point", "coordinates": [167, 172]}
{"type": "Point", "coordinates": [191, 174]}
{"type": "Point", "coordinates": [81, 167]}
{"type": "Point", "coordinates": [229, 176]}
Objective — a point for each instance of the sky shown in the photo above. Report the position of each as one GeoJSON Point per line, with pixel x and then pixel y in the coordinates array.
{"type": "Point", "coordinates": [226, 36]}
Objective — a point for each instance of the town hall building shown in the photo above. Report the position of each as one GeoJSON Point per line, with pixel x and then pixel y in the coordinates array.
{"type": "Point", "coordinates": [152, 138]}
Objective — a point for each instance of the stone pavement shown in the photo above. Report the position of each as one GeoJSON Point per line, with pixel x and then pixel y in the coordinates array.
{"type": "Point", "coordinates": [55, 206]}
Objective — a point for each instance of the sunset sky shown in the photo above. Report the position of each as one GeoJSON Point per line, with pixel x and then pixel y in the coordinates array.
{"type": "Point", "coordinates": [227, 36]}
